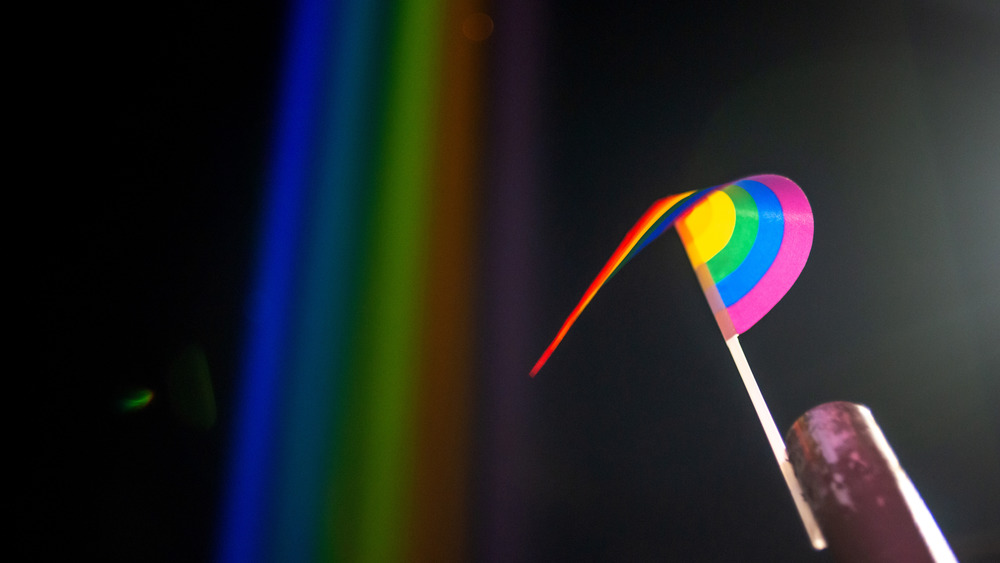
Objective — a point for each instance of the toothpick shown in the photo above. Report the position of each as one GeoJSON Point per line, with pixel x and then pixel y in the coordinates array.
{"type": "Point", "coordinates": [777, 444]}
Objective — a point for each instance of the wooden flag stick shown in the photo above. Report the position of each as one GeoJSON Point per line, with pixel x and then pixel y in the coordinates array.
{"type": "Point", "coordinates": [777, 444]}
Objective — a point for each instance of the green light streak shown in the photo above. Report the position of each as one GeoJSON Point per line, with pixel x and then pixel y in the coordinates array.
{"type": "Point", "coordinates": [190, 390]}
{"type": "Point", "coordinates": [372, 521]}
{"type": "Point", "coordinates": [136, 400]}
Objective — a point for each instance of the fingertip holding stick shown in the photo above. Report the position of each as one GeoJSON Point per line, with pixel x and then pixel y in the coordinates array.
{"type": "Point", "coordinates": [865, 505]}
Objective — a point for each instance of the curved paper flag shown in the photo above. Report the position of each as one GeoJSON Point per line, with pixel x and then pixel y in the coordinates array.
{"type": "Point", "coordinates": [747, 241]}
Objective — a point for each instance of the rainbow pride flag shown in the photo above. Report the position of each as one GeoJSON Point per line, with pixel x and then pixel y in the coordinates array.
{"type": "Point", "coordinates": [748, 242]}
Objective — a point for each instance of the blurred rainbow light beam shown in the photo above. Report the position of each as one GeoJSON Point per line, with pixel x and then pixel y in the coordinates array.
{"type": "Point", "coordinates": [346, 399]}
{"type": "Point", "coordinates": [748, 242]}
{"type": "Point", "coordinates": [246, 526]}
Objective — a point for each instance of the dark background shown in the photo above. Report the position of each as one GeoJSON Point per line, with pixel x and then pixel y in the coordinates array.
{"type": "Point", "coordinates": [642, 443]}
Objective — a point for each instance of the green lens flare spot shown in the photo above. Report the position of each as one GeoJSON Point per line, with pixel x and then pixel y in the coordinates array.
{"type": "Point", "coordinates": [136, 400]}
{"type": "Point", "coordinates": [189, 387]}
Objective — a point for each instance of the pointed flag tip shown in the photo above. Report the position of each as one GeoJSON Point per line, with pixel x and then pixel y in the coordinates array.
{"type": "Point", "coordinates": [541, 362]}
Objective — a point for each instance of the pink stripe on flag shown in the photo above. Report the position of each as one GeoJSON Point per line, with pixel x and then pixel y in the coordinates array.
{"type": "Point", "coordinates": [795, 245]}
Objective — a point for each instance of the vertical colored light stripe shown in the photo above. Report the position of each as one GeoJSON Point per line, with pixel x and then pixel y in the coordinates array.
{"type": "Point", "coordinates": [251, 458]}
{"type": "Point", "coordinates": [323, 311]}
{"type": "Point", "coordinates": [509, 290]}
{"type": "Point", "coordinates": [387, 354]}
{"type": "Point", "coordinates": [444, 393]}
